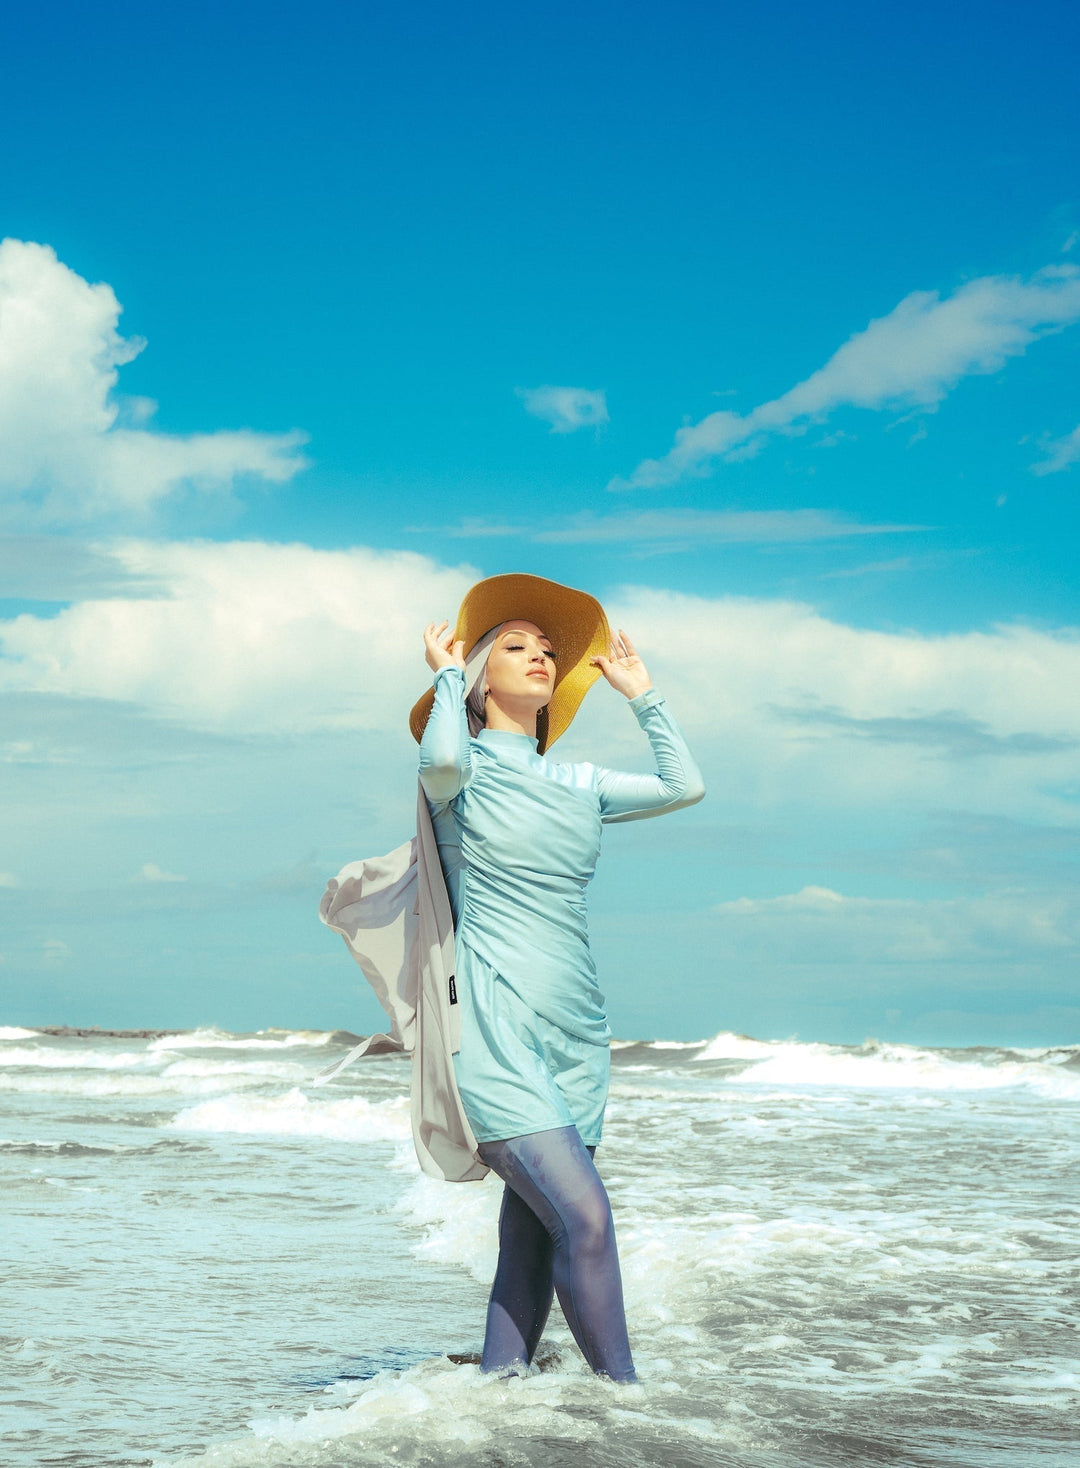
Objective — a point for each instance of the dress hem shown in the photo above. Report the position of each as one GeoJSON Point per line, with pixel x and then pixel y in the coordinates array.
{"type": "Point", "coordinates": [533, 1130]}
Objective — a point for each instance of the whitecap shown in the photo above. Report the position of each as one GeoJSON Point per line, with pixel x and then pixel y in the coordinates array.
{"type": "Point", "coordinates": [901, 1067]}
{"type": "Point", "coordinates": [211, 1038]}
{"type": "Point", "coordinates": [293, 1114]}
{"type": "Point", "coordinates": [64, 1084]}
{"type": "Point", "coordinates": [729, 1046]}
{"type": "Point", "coordinates": [459, 1224]}
{"type": "Point", "coordinates": [228, 1069]}
{"type": "Point", "coordinates": [70, 1059]}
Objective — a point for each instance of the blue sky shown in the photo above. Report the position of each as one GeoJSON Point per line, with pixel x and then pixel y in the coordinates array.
{"type": "Point", "coordinates": [761, 324]}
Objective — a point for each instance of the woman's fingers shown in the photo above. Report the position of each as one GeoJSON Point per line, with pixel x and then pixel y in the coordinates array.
{"type": "Point", "coordinates": [622, 649]}
{"type": "Point", "coordinates": [436, 631]}
{"type": "Point", "coordinates": [440, 646]}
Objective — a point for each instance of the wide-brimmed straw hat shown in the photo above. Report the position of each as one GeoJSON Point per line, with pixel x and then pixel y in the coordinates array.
{"type": "Point", "coordinates": [574, 621]}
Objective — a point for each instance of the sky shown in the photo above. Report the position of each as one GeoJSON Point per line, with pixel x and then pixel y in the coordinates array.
{"type": "Point", "coordinates": [762, 324]}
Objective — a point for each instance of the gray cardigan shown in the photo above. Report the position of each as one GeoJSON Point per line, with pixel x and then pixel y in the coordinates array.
{"type": "Point", "coordinates": [394, 914]}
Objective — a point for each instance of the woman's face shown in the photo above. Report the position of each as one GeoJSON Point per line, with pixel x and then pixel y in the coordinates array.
{"type": "Point", "coordinates": [521, 665]}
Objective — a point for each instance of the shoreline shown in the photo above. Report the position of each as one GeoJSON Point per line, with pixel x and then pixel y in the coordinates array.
{"type": "Point", "coordinates": [84, 1032]}
{"type": "Point", "coordinates": [99, 1032]}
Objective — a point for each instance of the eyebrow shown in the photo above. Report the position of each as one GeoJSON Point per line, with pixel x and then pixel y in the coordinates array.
{"type": "Point", "coordinates": [515, 633]}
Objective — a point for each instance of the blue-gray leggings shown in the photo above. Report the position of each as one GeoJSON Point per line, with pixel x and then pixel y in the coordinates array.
{"type": "Point", "coordinates": [556, 1235]}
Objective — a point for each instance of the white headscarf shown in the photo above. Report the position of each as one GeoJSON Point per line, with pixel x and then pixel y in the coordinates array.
{"type": "Point", "coordinates": [475, 664]}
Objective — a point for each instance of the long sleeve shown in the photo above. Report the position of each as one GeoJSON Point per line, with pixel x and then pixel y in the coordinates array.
{"type": "Point", "coordinates": [677, 781]}
{"type": "Point", "coordinates": [445, 766]}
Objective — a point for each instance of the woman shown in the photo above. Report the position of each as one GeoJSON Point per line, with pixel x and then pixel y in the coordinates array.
{"type": "Point", "coordinates": [518, 839]}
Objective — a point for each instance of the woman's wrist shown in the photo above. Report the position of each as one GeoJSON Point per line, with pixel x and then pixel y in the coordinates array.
{"type": "Point", "coordinates": [645, 699]}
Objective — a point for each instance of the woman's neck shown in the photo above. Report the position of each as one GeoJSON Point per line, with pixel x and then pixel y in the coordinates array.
{"type": "Point", "coordinates": [510, 721]}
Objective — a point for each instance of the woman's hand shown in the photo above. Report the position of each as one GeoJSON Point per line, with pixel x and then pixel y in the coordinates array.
{"type": "Point", "coordinates": [440, 650]}
{"type": "Point", "coordinates": [624, 670]}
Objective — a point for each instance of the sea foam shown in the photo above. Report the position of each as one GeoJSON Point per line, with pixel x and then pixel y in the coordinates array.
{"type": "Point", "coordinates": [790, 1063]}
{"type": "Point", "coordinates": [211, 1038]}
{"type": "Point", "coordinates": [57, 1059]}
{"type": "Point", "coordinates": [293, 1114]}
{"type": "Point", "coordinates": [440, 1408]}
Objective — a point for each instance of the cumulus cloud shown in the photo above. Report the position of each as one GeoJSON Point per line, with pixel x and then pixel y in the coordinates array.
{"type": "Point", "coordinates": [911, 358]}
{"type": "Point", "coordinates": [946, 733]}
{"type": "Point", "coordinates": [818, 924]}
{"type": "Point", "coordinates": [1060, 453]}
{"type": "Point", "coordinates": [786, 707]}
{"type": "Point", "coordinates": [792, 710]}
{"type": "Point", "coordinates": [685, 529]}
{"type": "Point", "coordinates": [565, 408]}
{"type": "Point", "coordinates": [61, 568]}
{"type": "Point", "coordinates": [245, 636]}
{"type": "Point", "coordinates": [66, 449]}
{"type": "Point", "coordinates": [151, 872]}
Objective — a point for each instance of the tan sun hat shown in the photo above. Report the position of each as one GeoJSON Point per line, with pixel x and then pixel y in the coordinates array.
{"type": "Point", "coordinates": [574, 621]}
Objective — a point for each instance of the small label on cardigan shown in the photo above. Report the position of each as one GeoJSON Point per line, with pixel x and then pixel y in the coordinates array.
{"type": "Point", "coordinates": [453, 990]}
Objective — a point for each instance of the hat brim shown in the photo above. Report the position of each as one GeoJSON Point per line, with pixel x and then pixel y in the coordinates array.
{"type": "Point", "coordinates": [574, 621]}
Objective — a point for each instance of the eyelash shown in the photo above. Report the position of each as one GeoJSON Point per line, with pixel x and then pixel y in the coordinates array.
{"type": "Point", "coordinates": [519, 647]}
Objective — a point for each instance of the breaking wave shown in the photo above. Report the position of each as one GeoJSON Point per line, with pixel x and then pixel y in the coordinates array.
{"type": "Point", "coordinates": [351, 1120]}
{"type": "Point", "coordinates": [877, 1065]}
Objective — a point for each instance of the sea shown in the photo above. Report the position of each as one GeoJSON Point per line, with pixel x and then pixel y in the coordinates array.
{"type": "Point", "coordinates": [832, 1255]}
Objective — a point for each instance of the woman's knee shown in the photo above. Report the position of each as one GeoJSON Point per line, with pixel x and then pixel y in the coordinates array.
{"type": "Point", "coordinates": [589, 1224]}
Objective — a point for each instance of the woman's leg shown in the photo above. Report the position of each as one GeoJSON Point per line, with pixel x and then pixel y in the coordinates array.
{"type": "Point", "coordinates": [523, 1289]}
{"type": "Point", "coordinates": [554, 1175]}
{"type": "Point", "coordinates": [524, 1285]}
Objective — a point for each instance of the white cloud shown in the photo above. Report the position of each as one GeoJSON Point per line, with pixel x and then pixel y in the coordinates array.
{"type": "Point", "coordinates": [911, 358]}
{"type": "Point", "coordinates": [817, 924]}
{"type": "Point", "coordinates": [66, 450]}
{"type": "Point", "coordinates": [791, 711]}
{"type": "Point", "coordinates": [8, 879]}
{"type": "Point", "coordinates": [680, 529]}
{"type": "Point", "coordinates": [565, 408]}
{"type": "Point", "coordinates": [62, 568]}
{"type": "Point", "coordinates": [1060, 453]}
{"type": "Point", "coordinates": [246, 636]}
{"type": "Point", "coordinates": [786, 708]}
{"type": "Point", "coordinates": [151, 872]}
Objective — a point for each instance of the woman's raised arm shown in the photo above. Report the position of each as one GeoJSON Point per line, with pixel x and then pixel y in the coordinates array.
{"type": "Point", "coordinates": [677, 781]}
{"type": "Point", "coordinates": [444, 749]}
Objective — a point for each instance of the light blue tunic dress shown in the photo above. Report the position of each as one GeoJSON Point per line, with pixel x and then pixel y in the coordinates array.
{"type": "Point", "coordinates": [518, 838]}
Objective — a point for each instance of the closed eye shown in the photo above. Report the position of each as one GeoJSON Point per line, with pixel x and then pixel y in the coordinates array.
{"type": "Point", "coordinates": [520, 646]}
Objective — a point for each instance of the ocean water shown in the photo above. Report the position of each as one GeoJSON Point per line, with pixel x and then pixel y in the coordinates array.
{"type": "Point", "coordinates": [832, 1255]}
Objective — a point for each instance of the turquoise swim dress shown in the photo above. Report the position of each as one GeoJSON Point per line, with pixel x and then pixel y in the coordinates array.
{"type": "Point", "coordinates": [519, 836]}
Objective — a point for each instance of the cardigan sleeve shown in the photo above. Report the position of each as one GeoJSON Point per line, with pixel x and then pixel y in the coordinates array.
{"type": "Point", "coordinates": [445, 765]}
{"type": "Point", "coordinates": [677, 781]}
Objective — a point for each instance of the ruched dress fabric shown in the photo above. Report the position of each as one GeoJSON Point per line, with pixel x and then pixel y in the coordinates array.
{"type": "Point", "coordinates": [518, 838]}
